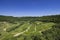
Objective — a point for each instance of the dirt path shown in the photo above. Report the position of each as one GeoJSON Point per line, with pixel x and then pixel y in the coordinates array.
{"type": "Point", "coordinates": [22, 32]}
{"type": "Point", "coordinates": [35, 28]}
{"type": "Point", "coordinates": [4, 29]}
{"type": "Point", "coordinates": [44, 30]}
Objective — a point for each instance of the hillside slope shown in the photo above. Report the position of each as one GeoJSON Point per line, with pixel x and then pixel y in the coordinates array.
{"type": "Point", "coordinates": [30, 28]}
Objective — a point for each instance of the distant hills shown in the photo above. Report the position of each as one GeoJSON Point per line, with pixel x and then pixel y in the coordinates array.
{"type": "Point", "coordinates": [52, 18]}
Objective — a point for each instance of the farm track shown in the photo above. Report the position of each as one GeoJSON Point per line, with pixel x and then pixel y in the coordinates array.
{"type": "Point", "coordinates": [35, 29]}
{"type": "Point", "coordinates": [50, 26]}
{"type": "Point", "coordinates": [22, 32]}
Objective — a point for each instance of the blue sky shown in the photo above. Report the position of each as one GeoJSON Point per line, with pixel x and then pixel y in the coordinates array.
{"type": "Point", "coordinates": [29, 7]}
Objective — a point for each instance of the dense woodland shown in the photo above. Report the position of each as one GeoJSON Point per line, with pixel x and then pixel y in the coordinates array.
{"type": "Point", "coordinates": [50, 34]}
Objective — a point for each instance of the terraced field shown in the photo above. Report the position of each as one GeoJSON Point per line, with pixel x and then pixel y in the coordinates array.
{"type": "Point", "coordinates": [21, 30]}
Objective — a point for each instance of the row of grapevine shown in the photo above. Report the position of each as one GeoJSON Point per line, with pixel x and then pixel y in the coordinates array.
{"type": "Point", "coordinates": [14, 27]}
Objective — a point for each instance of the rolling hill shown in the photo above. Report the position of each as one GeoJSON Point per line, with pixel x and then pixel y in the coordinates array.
{"type": "Point", "coordinates": [30, 28]}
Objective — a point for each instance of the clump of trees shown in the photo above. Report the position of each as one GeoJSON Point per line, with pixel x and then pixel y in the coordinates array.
{"type": "Point", "coordinates": [52, 34]}
{"type": "Point", "coordinates": [52, 18]}
{"type": "Point", "coordinates": [11, 19]}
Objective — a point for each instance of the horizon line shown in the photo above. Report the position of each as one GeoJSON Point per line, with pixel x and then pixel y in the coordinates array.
{"type": "Point", "coordinates": [30, 16]}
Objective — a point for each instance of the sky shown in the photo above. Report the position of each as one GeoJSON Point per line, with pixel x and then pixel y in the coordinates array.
{"type": "Point", "coordinates": [29, 7]}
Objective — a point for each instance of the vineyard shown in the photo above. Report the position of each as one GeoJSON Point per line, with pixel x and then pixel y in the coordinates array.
{"type": "Point", "coordinates": [29, 29]}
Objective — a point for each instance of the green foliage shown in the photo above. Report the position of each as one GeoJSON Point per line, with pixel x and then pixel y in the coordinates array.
{"type": "Point", "coordinates": [32, 28]}
{"type": "Point", "coordinates": [9, 37]}
{"type": "Point", "coordinates": [13, 28]}
{"type": "Point", "coordinates": [53, 33]}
